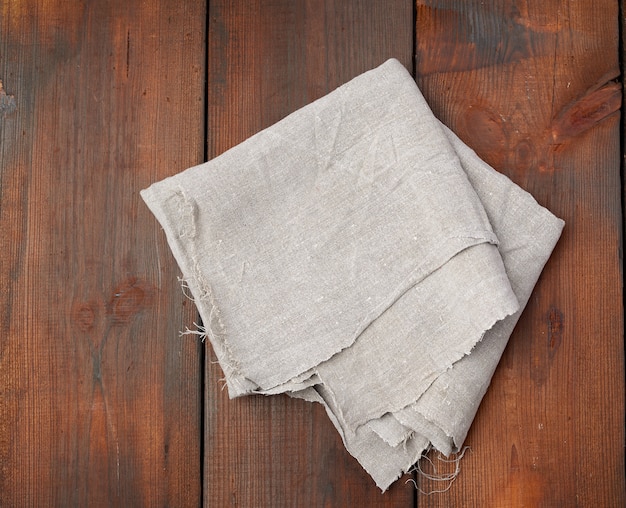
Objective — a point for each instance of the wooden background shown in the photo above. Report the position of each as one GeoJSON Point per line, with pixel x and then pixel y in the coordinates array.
{"type": "Point", "coordinates": [103, 404]}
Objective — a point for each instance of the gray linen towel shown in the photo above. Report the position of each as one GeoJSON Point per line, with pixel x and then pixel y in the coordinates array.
{"type": "Point", "coordinates": [359, 255]}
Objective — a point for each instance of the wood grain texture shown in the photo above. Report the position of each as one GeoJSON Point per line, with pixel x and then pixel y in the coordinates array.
{"type": "Point", "coordinates": [266, 60]}
{"type": "Point", "coordinates": [99, 398]}
{"type": "Point", "coordinates": [530, 86]}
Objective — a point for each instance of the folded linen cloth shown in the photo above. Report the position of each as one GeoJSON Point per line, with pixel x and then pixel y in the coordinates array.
{"type": "Point", "coordinates": [359, 255]}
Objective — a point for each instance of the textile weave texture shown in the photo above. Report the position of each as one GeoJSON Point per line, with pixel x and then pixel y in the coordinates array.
{"type": "Point", "coordinates": [358, 254]}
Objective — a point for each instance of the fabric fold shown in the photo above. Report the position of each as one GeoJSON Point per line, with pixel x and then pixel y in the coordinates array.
{"type": "Point", "coordinates": [359, 255]}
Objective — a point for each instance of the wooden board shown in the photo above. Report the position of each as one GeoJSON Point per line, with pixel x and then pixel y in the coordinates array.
{"type": "Point", "coordinates": [266, 60]}
{"type": "Point", "coordinates": [101, 402]}
{"type": "Point", "coordinates": [530, 85]}
{"type": "Point", "coordinates": [99, 397]}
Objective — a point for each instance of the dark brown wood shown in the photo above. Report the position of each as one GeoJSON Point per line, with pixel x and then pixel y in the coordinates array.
{"type": "Point", "coordinates": [530, 86]}
{"type": "Point", "coordinates": [99, 397]}
{"type": "Point", "coordinates": [266, 60]}
{"type": "Point", "coordinates": [101, 401]}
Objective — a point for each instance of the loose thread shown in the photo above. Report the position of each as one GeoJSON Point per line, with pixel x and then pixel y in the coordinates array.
{"type": "Point", "coordinates": [200, 331]}
{"type": "Point", "coordinates": [444, 477]}
{"type": "Point", "coordinates": [184, 286]}
{"type": "Point", "coordinates": [225, 383]}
